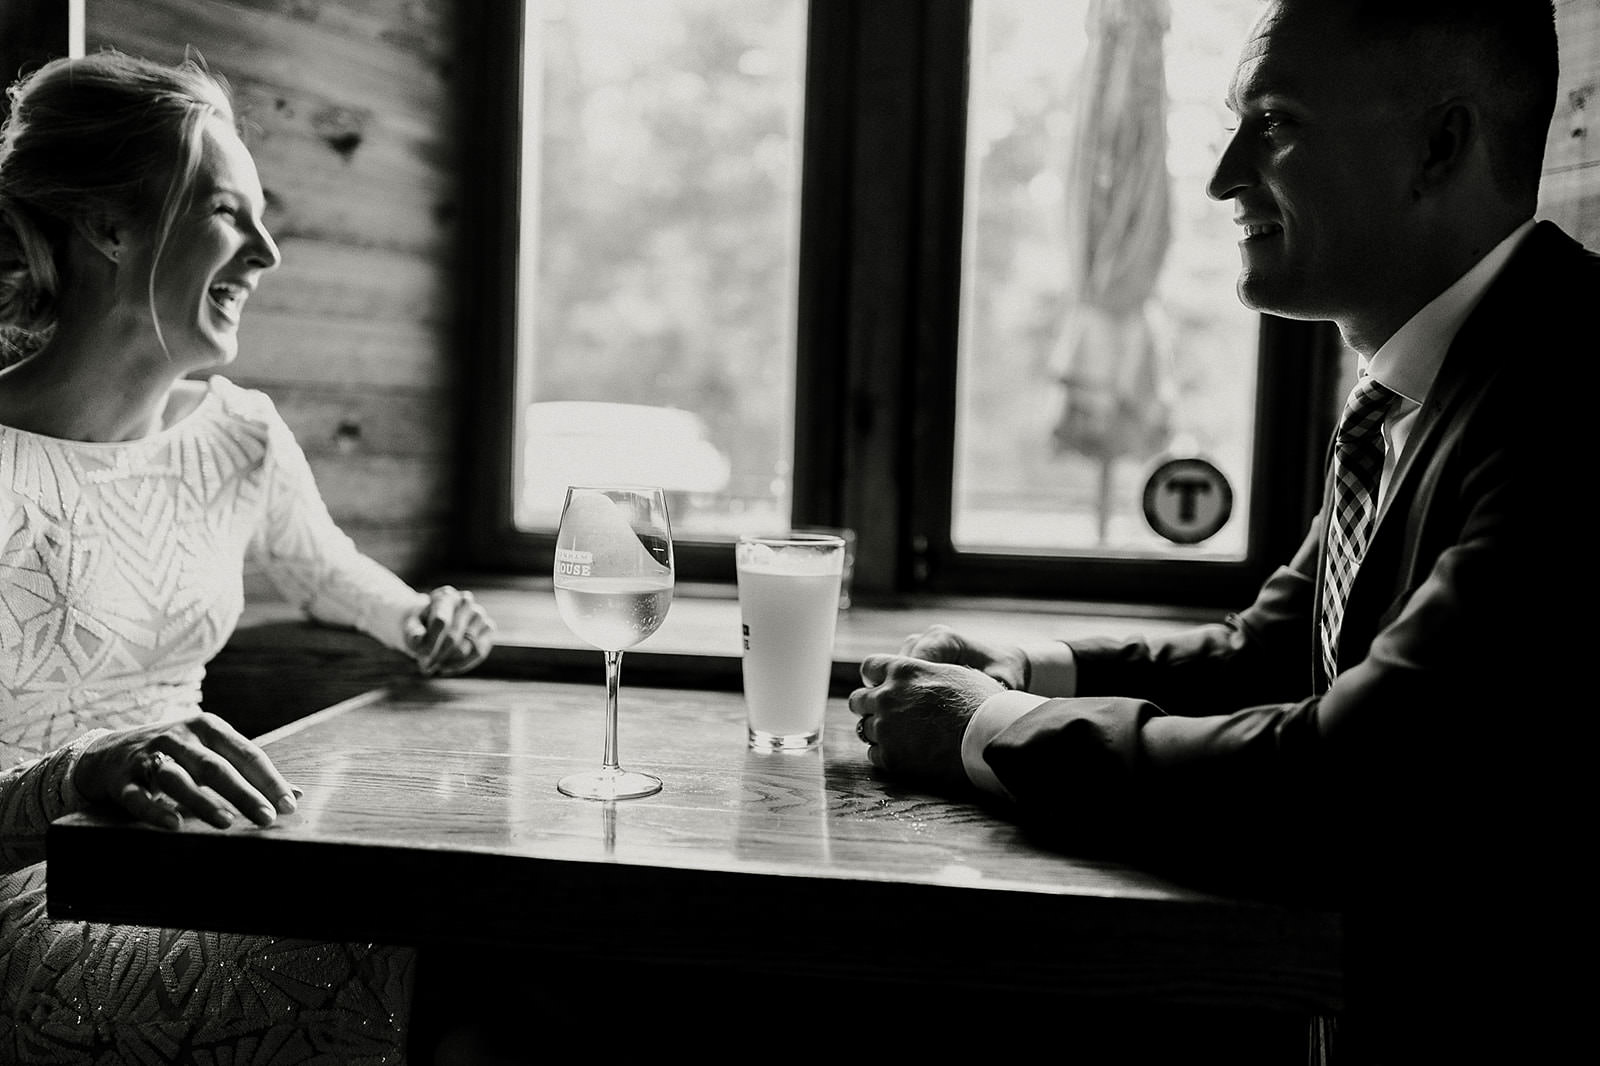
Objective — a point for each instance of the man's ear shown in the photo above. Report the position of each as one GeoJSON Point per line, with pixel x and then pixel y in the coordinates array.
{"type": "Point", "coordinates": [1452, 130]}
{"type": "Point", "coordinates": [103, 235]}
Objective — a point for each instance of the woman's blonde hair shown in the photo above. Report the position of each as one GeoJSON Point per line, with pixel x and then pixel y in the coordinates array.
{"type": "Point", "coordinates": [107, 137]}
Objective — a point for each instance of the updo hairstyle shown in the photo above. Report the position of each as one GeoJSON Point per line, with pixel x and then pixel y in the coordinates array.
{"type": "Point", "coordinates": [105, 136]}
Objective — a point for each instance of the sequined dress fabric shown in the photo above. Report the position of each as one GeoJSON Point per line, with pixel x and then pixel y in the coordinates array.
{"type": "Point", "coordinates": [121, 574]}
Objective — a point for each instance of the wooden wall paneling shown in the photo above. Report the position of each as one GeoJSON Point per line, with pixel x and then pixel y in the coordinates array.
{"type": "Point", "coordinates": [336, 352]}
{"type": "Point", "coordinates": [1570, 192]}
{"type": "Point", "coordinates": [377, 455]}
{"type": "Point", "coordinates": [356, 281]}
{"type": "Point", "coordinates": [403, 549]}
{"type": "Point", "coordinates": [350, 108]}
{"type": "Point", "coordinates": [408, 549]}
{"type": "Point", "coordinates": [399, 423]}
{"type": "Point", "coordinates": [1571, 199]}
{"type": "Point", "coordinates": [384, 490]}
{"type": "Point", "coordinates": [358, 176]}
{"type": "Point", "coordinates": [392, 507]}
{"type": "Point", "coordinates": [422, 27]}
{"type": "Point", "coordinates": [288, 45]}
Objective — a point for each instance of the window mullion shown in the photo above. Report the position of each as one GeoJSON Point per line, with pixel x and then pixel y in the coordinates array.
{"type": "Point", "coordinates": [878, 423]}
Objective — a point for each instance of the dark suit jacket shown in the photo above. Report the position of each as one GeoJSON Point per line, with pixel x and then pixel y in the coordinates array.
{"type": "Point", "coordinates": [1422, 792]}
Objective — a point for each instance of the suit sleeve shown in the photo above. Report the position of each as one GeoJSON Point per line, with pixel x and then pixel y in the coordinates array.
{"type": "Point", "coordinates": [1394, 754]}
{"type": "Point", "coordinates": [1168, 742]}
{"type": "Point", "coordinates": [1259, 655]}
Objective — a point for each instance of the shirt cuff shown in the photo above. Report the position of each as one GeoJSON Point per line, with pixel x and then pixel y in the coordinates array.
{"type": "Point", "coordinates": [1052, 670]}
{"type": "Point", "coordinates": [991, 719]}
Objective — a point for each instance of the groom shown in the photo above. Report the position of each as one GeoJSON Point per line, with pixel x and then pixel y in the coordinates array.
{"type": "Point", "coordinates": [1386, 725]}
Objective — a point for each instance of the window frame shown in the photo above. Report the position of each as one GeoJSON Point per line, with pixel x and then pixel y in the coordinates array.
{"type": "Point", "coordinates": [879, 277]}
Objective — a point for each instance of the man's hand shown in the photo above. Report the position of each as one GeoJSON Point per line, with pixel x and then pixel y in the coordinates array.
{"type": "Point", "coordinates": [913, 714]}
{"type": "Point", "coordinates": [941, 644]}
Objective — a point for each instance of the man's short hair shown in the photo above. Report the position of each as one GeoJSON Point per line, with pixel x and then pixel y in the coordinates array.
{"type": "Point", "coordinates": [1505, 49]}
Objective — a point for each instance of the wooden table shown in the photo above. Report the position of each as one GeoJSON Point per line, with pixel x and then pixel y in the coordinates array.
{"type": "Point", "coordinates": [431, 817]}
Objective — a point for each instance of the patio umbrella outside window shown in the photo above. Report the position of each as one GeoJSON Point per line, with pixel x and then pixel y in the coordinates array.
{"type": "Point", "coordinates": [1110, 355]}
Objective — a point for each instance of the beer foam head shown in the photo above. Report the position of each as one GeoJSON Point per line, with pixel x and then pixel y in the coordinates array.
{"type": "Point", "coordinates": [798, 555]}
{"type": "Point", "coordinates": [594, 524]}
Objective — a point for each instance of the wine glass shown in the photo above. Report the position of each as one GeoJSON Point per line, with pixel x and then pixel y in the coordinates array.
{"type": "Point", "coordinates": [613, 583]}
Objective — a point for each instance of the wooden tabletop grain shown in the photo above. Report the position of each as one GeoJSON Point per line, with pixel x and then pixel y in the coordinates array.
{"type": "Point", "coordinates": [431, 815]}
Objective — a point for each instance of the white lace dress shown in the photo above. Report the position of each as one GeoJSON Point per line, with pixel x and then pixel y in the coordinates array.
{"type": "Point", "coordinates": [121, 575]}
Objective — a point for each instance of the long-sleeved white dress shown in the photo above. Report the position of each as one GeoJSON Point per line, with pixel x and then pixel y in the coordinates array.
{"type": "Point", "coordinates": [121, 575]}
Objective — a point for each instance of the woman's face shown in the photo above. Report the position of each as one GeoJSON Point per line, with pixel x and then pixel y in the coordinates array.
{"type": "Point", "coordinates": [214, 256]}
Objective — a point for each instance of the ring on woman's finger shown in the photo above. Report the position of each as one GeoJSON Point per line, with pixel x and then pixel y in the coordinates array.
{"type": "Point", "coordinates": [861, 729]}
{"type": "Point", "coordinates": [154, 762]}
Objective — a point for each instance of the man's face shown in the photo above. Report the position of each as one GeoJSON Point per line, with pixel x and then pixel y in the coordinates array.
{"type": "Point", "coordinates": [1319, 167]}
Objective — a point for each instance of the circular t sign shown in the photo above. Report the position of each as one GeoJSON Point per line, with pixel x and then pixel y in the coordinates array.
{"type": "Point", "coordinates": [1187, 500]}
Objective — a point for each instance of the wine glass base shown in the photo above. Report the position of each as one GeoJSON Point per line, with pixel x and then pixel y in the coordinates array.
{"type": "Point", "coordinates": [609, 785]}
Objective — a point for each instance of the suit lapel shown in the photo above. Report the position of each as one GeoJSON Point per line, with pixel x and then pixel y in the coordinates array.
{"type": "Point", "coordinates": [1390, 566]}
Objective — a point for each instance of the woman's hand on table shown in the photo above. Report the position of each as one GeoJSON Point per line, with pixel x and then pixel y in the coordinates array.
{"type": "Point", "coordinates": [199, 764]}
{"type": "Point", "coordinates": [451, 634]}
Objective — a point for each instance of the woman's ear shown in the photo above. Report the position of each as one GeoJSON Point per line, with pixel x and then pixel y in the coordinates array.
{"type": "Point", "coordinates": [102, 234]}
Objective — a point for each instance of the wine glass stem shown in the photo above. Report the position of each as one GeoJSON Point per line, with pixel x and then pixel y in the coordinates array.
{"type": "Point", "coordinates": [613, 676]}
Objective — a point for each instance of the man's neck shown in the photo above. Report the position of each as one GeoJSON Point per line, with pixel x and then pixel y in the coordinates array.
{"type": "Point", "coordinates": [1432, 326]}
{"type": "Point", "coordinates": [1434, 263]}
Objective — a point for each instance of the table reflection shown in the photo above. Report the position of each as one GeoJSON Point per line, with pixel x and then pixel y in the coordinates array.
{"type": "Point", "coordinates": [782, 806]}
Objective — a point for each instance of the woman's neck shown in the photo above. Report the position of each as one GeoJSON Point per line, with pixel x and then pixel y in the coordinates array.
{"type": "Point", "coordinates": [88, 389]}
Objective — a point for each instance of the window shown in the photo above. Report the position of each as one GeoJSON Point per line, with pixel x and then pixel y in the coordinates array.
{"type": "Point", "coordinates": [944, 273]}
{"type": "Point", "coordinates": [1099, 333]}
{"type": "Point", "coordinates": [660, 163]}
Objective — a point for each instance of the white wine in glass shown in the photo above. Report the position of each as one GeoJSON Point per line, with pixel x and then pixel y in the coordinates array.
{"type": "Point", "coordinates": [613, 583]}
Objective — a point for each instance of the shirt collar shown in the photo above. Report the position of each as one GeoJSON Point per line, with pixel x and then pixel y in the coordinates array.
{"type": "Point", "coordinates": [1408, 362]}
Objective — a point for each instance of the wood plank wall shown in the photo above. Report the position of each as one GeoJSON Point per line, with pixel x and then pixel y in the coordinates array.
{"type": "Point", "coordinates": [1570, 192]}
{"type": "Point", "coordinates": [352, 112]}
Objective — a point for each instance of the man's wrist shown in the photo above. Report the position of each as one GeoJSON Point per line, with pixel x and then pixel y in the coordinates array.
{"type": "Point", "coordinates": [996, 713]}
{"type": "Point", "coordinates": [1051, 668]}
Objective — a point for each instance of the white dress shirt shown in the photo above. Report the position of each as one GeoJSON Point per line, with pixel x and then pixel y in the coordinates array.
{"type": "Point", "coordinates": [1407, 364]}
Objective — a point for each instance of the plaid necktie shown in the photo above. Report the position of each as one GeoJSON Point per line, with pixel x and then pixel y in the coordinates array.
{"type": "Point", "coordinates": [1357, 465]}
